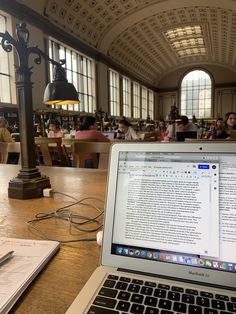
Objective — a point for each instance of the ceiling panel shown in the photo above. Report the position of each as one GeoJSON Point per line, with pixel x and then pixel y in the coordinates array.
{"type": "Point", "coordinates": [132, 32]}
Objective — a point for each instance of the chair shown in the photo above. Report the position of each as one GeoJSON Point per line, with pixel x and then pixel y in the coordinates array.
{"type": "Point", "coordinates": [81, 149]}
{"type": "Point", "coordinates": [14, 148]}
{"type": "Point", "coordinates": [3, 152]}
{"type": "Point", "coordinates": [50, 151]}
{"type": "Point", "coordinates": [67, 144]}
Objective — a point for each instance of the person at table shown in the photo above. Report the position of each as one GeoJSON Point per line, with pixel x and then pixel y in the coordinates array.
{"type": "Point", "coordinates": [124, 127]}
{"type": "Point", "coordinates": [183, 125]}
{"type": "Point", "coordinates": [229, 125]}
{"type": "Point", "coordinates": [161, 130]}
{"type": "Point", "coordinates": [5, 135]}
{"type": "Point", "coordinates": [54, 129]}
{"type": "Point", "coordinates": [88, 131]}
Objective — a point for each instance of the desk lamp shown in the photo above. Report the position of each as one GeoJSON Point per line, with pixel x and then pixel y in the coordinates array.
{"type": "Point", "coordinates": [29, 183]}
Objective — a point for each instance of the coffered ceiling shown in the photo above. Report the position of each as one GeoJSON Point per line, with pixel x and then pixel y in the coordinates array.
{"type": "Point", "coordinates": [150, 38]}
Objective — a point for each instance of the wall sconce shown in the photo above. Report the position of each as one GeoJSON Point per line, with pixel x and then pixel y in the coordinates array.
{"type": "Point", "coordinates": [29, 183]}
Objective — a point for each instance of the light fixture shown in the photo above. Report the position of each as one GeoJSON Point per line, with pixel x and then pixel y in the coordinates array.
{"type": "Point", "coordinates": [29, 183]}
{"type": "Point", "coordinates": [60, 92]}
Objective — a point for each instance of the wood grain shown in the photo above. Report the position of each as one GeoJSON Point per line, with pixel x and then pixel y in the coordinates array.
{"type": "Point", "coordinates": [64, 276]}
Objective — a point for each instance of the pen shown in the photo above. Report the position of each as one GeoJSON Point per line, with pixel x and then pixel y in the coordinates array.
{"type": "Point", "coordinates": [5, 257]}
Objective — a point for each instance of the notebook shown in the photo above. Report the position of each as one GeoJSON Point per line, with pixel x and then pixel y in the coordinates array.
{"type": "Point", "coordinates": [169, 243]}
{"type": "Point", "coordinates": [29, 258]}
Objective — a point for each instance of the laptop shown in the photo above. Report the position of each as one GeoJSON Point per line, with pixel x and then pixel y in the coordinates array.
{"type": "Point", "coordinates": [169, 239]}
{"type": "Point", "coordinates": [181, 136]}
{"type": "Point", "coordinates": [109, 135]}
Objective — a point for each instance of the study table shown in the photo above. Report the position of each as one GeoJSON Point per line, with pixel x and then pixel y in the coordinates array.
{"type": "Point", "coordinates": [60, 281]}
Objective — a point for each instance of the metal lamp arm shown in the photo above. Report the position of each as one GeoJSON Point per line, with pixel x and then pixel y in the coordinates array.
{"type": "Point", "coordinates": [22, 49]}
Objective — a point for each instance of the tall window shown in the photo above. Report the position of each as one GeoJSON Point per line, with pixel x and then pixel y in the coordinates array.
{"type": "Point", "coordinates": [80, 71]}
{"type": "Point", "coordinates": [196, 94]}
{"type": "Point", "coordinates": [151, 104]}
{"type": "Point", "coordinates": [144, 103]}
{"type": "Point", "coordinates": [136, 100]}
{"type": "Point", "coordinates": [126, 90]}
{"type": "Point", "coordinates": [6, 80]}
{"type": "Point", "coordinates": [114, 93]}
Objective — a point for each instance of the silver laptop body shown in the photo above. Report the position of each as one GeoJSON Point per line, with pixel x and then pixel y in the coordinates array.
{"type": "Point", "coordinates": [170, 225]}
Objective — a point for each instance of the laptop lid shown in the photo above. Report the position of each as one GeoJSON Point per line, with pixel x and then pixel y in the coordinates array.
{"type": "Point", "coordinates": [170, 210]}
{"type": "Point", "coordinates": [181, 136]}
{"type": "Point", "coordinates": [109, 135]}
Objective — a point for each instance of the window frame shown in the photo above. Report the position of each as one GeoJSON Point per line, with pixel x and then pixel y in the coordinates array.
{"type": "Point", "coordinates": [114, 92]}
{"type": "Point", "coordinates": [80, 71]}
{"type": "Point", "coordinates": [151, 110]}
{"type": "Point", "coordinates": [144, 102]}
{"type": "Point", "coordinates": [196, 111]}
{"type": "Point", "coordinates": [126, 96]}
{"type": "Point", "coordinates": [7, 77]}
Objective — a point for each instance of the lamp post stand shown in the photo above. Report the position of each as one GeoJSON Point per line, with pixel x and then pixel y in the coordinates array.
{"type": "Point", "coordinates": [29, 183]}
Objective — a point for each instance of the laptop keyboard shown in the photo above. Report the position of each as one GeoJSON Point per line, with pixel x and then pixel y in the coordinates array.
{"type": "Point", "coordinates": [130, 295]}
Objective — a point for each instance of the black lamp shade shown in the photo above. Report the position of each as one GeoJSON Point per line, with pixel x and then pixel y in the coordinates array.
{"type": "Point", "coordinates": [60, 93]}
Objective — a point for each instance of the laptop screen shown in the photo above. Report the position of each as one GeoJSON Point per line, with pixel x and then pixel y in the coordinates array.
{"type": "Point", "coordinates": [109, 135]}
{"type": "Point", "coordinates": [176, 208]}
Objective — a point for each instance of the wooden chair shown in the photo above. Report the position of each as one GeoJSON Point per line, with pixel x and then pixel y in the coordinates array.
{"type": "Point", "coordinates": [81, 149]}
{"type": "Point", "coordinates": [48, 148]}
{"type": "Point", "coordinates": [15, 148]}
{"type": "Point", "coordinates": [3, 152]}
{"type": "Point", "coordinates": [67, 145]}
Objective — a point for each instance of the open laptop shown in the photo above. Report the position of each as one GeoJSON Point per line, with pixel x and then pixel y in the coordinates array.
{"type": "Point", "coordinates": [181, 136]}
{"type": "Point", "coordinates": [169, 243]}
{"type": "Point", "coordinates": [109, 135]}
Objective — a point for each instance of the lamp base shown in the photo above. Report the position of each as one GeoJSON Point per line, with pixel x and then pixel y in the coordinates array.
{"type": "Point", "coordinates": [28, 185]}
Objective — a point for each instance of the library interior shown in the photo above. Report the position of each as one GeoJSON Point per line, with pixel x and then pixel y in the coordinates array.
{"type": "Point", "coordinates": [80, 80]}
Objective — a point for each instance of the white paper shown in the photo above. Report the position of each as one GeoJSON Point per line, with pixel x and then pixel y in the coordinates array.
{"type": "Point", "coordinates": [28, 259]}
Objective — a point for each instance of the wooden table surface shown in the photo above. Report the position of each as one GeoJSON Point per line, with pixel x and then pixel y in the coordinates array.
{"type": "Point", "coordinates": [63, 277]}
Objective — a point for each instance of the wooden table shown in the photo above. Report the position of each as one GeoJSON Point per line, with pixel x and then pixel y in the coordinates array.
{"type": "Point", "coordinates": [61, 280]}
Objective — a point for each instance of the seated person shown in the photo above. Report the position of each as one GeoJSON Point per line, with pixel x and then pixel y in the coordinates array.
{"type": "Point", "coordinates": [162, 130]}
{"type": "Point", "coordinates": [185, 126]}
{"type": "Point", "coordinates": [5, 135]}
{"type": "Point", "coordinates": [39, 131]}
{"type": "Point", "coordinates": [88, 131]}
{"type": "Point", "coordinates": [129, 132]}
{"type": "Point", "coordinates": [54, 129]}
{"type": "Point", "coordinates": [182, 126]}
{"type": "Point", "coordinates": [229, 124]}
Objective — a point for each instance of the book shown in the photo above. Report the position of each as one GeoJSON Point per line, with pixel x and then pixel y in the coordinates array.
{"type": "Point", "coordinates": [29, 258]}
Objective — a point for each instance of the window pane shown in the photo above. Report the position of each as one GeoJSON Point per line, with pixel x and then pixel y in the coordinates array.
{"type": "Point", "coordinates": [80, 71]}
{"type": "Point", "coordinates": [196, 94]}
{"type": "Point", "coordinates": [126, 91]}
{"type": "Point", "coordinates": [151, 104]}
{"type": "Point", "coordinates": [114, 93]}
{"type": "Point", "coordinates": [144, 103]}
{"type": "Point", "coordinates": [5, 78]}
{"type": "Point", "coordinates": [136, 100]}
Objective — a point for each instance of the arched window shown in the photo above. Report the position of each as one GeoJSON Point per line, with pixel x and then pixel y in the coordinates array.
{"type": "Point", "coordinates": [196, 94]}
